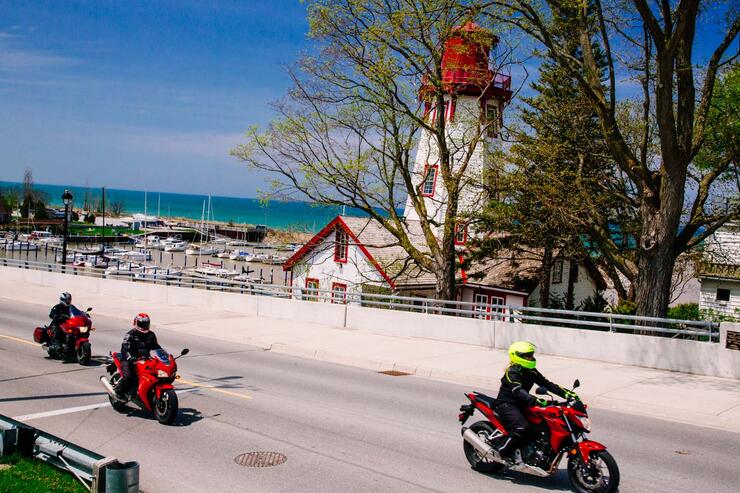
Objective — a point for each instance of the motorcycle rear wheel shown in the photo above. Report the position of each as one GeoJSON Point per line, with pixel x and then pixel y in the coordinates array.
{"type": "Point", "coordinates": [590, 478]}
{"type": "Point", "coordinates": [165, 408]}
{"type": "Point", "coordinates": [84, 353]}
{"type": "Point", "coordinates": [482, 429]}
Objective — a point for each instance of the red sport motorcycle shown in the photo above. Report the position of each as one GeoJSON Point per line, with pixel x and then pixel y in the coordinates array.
{"type": "Point", "coordinates": [76, 345]}
{"type": "Point", "coordinates": [556, 430]}
{"type": "Point", "coordinates": [155, 393]}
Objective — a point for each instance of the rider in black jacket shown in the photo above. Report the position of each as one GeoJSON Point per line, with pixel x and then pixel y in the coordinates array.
{"type": "Point", "coordinates": [59, 314]}
{"type": "Point", "coordinates": [137, 343]}
{"type": "Point", "coordinates": [514, 396]}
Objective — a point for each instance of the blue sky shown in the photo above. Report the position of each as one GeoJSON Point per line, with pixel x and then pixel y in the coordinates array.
{"type": "Point", "coordinates": [153, 94]}
{"type": "Point", "coordinates": [141, 94]}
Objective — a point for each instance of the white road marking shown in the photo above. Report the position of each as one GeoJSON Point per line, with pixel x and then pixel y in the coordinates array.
{"type": "Point", "coordinates": [78, 409]}
{"type": "Point", "coordinates": [57, 412]}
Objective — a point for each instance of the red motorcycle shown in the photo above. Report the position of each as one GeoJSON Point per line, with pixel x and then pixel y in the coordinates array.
{"type": "Point", "coordinates": [155, 392]}
{"type": "Point", "coordinates": [556, 430]}
{"type": "Point", "coordinates": [76, 345]}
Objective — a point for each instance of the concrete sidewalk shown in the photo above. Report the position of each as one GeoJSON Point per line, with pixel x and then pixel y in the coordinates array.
{"type": "Point", "coordinates": [697, 400]}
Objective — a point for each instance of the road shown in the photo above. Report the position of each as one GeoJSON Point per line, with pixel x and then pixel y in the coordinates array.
{"type": "Point", "coordinates": [341, 428]}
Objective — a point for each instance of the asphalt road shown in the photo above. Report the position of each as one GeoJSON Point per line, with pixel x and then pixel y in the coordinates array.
{"type": "Point", "coordinates": [341, 428]}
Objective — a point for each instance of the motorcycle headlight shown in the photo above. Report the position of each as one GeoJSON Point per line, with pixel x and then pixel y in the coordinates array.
{"type": "Point", "coordinates": [585, 422]}
{"type": "Point", "coordinates": [162, 374]}
{"type": "Point", "coordinates": [83, 330]}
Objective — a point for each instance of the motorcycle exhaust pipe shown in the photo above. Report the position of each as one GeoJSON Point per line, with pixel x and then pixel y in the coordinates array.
{"type": "Point", "coordinates": [473, 439]}
{"type": "Point", "coordinates": [107, 386]}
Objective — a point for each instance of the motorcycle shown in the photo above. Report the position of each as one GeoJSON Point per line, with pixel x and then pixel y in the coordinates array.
{"type": "Point", "coordinates": [556, 430]}
{"type": "Point", "coordinates": [76, 345]}
{"type": "Point", "coordinates": [155, 393]}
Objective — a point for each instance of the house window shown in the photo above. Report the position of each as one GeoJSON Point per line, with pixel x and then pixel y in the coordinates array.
{"type": "Point", "coordinates": [341, 246]}
{"type": "Point", "coordinates": [487, 306]}
{"type": "Point", "coordinates": [430, 181]}
{"type": "Point", "coordinates": [338, 293]}
{"type": "Point", "coordinates": [312, 286]}
{"type": "Point", "coordinates": [723, 294]}
{"type": "Point", "coordinates": [461, 234]}
{"type": "Point", "coordinates": [481, 308]}
{"type": "Point", "coordinates": [557, 272]}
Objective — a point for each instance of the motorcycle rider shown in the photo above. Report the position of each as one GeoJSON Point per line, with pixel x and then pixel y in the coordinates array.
{"type": "Point", "coordinates": [136, 344]}
{"type": "Point", "coordinates": [514, 397]}
{"type": "Point", "coordinates": [60, 313]}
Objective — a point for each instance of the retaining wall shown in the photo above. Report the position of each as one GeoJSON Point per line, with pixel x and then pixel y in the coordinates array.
{"type": "Point", "coordinates": [647, 351]}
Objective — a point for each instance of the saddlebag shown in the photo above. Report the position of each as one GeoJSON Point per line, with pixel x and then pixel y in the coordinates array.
{"type": "Point", "coordinates": [39, 335]}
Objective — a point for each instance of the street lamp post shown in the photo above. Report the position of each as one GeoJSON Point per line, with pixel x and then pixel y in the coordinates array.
{"type": "Point", "coordinates": [67, 199]}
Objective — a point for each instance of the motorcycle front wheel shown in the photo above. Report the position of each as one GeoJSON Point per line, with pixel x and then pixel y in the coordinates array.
{"type": "Point", "coordinates": [165, 408]}
{"type": "Point", "coordinates": [84, 353]}
{"type": "Point", "coordinates": [600, 475]}
{"type": "Point", "coordinates": [483, 429]}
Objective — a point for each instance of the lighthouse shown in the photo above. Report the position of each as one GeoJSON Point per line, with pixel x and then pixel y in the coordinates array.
{"type": "Point", "coordinates": [474, 99]}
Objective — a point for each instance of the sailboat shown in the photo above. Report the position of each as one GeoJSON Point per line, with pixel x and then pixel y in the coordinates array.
{"type": "Point", "coordinates": [202, 248]}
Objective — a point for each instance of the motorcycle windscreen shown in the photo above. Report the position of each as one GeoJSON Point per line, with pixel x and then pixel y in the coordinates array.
{"type": "Point", "coordinates": [76, 312]}
{"type": "Point", "coordinates": [162, 356]}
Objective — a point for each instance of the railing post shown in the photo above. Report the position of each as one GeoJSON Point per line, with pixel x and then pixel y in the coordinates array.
{"type": "Point", "coordinates": [611, 323]}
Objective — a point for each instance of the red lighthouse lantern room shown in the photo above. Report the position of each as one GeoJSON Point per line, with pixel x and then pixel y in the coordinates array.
{"type": "Point", "coordinates": [465, 68]}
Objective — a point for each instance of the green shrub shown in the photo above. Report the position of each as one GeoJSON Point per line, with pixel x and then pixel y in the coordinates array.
{"type": "Point", "coordinates": [625, 307]}
{"type": "Point", "coordinates": [685, 311]}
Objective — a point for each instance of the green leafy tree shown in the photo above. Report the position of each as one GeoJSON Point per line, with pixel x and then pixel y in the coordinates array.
{"type": "Point", "coordinates": [556, 171]}
{"type": "Point", "coordinates": [654, 43]}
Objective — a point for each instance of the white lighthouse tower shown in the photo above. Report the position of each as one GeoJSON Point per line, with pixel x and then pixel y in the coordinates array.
{"type": "Point", "coordinates": [473, 103]}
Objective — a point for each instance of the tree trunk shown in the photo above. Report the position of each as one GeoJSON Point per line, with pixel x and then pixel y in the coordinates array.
{"type": "Point", "coordinates": [544, 278]}
{"type": "Point", "coordinates": [445, 277]}
{"type": "Point", "coordinates": [655, 253]}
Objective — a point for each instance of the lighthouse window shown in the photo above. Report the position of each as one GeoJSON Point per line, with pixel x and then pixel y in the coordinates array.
{"type": "Point", "coordinates": [492, 119]}
{"type": "Point", "coordinates": [448, 109]}
{"type": "Point", "coordinates": [461, 234]}
{"type": "Point", "coordinates": [430, 180]}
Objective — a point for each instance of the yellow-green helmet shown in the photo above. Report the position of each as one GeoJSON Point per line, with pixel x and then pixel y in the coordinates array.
{"type": "Point", "coordinates": [522, 353]}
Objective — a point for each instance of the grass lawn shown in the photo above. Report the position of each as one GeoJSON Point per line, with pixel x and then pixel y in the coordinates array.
{"type": "Point", "coordinates": [34, 476]}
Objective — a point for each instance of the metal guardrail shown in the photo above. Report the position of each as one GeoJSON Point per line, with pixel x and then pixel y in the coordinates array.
{"type": "Point", "coordinates": [97, 473]}
{"type": "Point", "coordinates": [703, 330]}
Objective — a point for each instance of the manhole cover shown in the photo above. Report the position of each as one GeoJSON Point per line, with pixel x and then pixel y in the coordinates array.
{"type": "Point", "coordinates": [260, 459]}
{"type": "Point", "coordinates": [394, 373]}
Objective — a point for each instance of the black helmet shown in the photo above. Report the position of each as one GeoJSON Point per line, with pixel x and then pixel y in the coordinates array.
{"type": "Point", "coordinates": [141, 322]}
{"type": "Point", "coordinates": [65, 298]}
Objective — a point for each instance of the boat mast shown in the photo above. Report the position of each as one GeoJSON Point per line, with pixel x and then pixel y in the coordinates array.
{"type": "Point", "coordinates": [145, 237]}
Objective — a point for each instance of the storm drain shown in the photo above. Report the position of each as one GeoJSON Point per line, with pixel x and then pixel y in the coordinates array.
{"type": "Point", "coordinates": [394, 373]}
{"type": "Point", "coordinates": [260, 459]}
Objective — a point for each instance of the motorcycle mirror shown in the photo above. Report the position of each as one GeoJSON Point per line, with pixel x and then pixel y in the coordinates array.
{"type": "Point", "coordinates": [541, 391]}
{"type": "Point", "coordinates": [576, 384]}
{"type": "Point", "coordinates": [89, 309]}
{"type": "Point", "coordinates": [184, 352]}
